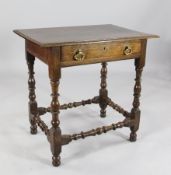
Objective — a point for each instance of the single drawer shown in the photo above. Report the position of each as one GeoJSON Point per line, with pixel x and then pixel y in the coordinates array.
{"type": "Point", "coordinates": [97, 52]}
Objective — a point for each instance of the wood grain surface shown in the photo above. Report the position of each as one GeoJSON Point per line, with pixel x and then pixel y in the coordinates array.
{"type": "Point", "coordinates": [57, 36]}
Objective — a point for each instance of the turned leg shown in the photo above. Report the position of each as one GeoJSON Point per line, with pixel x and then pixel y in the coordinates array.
{"type": "Point", "coordinates": [103, 93]}
{"type": "Point", "coordinates": [55, 131]}
{"type": "Point", "coordinates": [54, 135]}
{"type": "Point", "coordinates": [135, 112]}
{"type": "Point", "coordinates": [32, 96]}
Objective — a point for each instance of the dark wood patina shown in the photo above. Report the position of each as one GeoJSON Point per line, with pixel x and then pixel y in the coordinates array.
{"type": "Point", "coordinates": [70, 46]}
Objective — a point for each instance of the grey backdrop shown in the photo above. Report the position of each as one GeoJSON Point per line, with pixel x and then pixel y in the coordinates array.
{"type": "Point", "coordinates": [25, 154]}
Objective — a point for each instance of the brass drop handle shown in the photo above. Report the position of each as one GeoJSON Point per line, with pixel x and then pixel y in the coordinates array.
{"type": "Point", "coordinates": [127, 50]}
{"type": "Point", "coordinates": [79, 55]}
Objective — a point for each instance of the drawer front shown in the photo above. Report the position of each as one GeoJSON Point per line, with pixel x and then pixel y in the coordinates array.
{"type": "Point", "coordinates": [97, 52]}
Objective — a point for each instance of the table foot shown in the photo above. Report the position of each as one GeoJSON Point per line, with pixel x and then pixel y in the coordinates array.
{"type": "Point", "coordinates": [56, 161]}
{"type": "Point", "coordinates": [33, 130]}
{"type": "Point", "coordinates": [102, 113]}
{"type": "Point", "coordinates": [54, 138]}
{"type": "Point", "coordinates": [133, 137]}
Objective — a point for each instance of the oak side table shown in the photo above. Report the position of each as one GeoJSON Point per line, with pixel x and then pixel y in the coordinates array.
{"type": "Point", "coordinates": [72, 46]}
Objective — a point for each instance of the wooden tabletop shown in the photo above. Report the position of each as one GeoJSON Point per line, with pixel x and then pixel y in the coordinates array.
{"type": "Point", "coordinates": [58, 36]}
